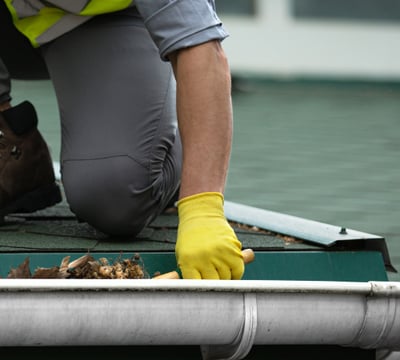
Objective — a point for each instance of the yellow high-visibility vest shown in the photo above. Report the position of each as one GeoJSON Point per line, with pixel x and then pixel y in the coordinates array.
{"type": "Point", "coordinates": [42, 22]}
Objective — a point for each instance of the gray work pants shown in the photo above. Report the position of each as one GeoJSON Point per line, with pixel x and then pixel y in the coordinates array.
{"type": "Point", "coordinates": [121, 152]}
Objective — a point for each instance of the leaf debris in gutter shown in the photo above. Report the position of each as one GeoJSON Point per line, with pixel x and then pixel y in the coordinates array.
{"type": "Point", "coordinates": [85, 267]}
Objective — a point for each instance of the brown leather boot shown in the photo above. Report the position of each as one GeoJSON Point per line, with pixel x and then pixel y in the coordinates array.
{"type": "Point", "coordinates": [27, 181]}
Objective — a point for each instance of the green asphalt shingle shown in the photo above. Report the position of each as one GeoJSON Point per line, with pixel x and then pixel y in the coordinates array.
{"type": "Point", "coordinates": [56, 229]}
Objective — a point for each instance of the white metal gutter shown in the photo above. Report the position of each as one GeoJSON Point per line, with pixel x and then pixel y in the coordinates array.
{"type": "Point", "coordinates": [226, 318]}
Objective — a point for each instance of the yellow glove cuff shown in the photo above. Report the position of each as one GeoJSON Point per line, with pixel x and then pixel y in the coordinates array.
{"type": "Point", "coordinates": [210, 204]}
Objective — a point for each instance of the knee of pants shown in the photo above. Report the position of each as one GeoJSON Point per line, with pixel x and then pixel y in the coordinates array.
{"type": "Point", "coordinates": [113, 195]}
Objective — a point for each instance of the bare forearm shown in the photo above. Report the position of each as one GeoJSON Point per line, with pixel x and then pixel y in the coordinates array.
{"type": "Point", "coordinates": [205, 117]}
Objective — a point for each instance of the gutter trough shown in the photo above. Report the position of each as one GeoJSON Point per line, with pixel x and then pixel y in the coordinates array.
{"type": "Point", "coordinates": [225, 318]}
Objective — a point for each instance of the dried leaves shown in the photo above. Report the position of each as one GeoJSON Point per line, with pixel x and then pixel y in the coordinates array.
{"type": "Point", "coordinates": [254, 229]}
{"type": "Point", "coordinates": [85, 267]}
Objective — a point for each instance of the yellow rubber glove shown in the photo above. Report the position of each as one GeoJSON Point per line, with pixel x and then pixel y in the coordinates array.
{"type": "Point", "coordinates": [207, 246]}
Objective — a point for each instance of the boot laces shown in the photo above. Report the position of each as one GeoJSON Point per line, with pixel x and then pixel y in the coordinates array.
{"type": "Point", "coordinates": [2, 145]}
{"type": "Point", "coordinates": [15, 150]}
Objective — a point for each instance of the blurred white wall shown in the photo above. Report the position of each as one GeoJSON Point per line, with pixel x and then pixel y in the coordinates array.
{"type": "Point", "coordinates": [274, 43]}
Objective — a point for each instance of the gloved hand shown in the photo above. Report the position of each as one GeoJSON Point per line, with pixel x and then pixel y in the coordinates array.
{"type": "Point", "coordinates": [207, 246]}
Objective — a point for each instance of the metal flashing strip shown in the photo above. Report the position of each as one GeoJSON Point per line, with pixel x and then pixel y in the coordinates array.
{"type": "Point", "coordinates": [308, 230]}
{"type": "Point", "coordinates": [281, 265]}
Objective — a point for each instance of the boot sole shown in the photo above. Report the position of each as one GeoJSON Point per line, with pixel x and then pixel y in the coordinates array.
{"type": "Point", "coordinates": [37, 199]}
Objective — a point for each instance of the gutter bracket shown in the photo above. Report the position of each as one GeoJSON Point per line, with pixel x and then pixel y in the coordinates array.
{"type": "Point", "coordinates": [243, 342]}
{"type": "Point", "coordinates": [381, 325]}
